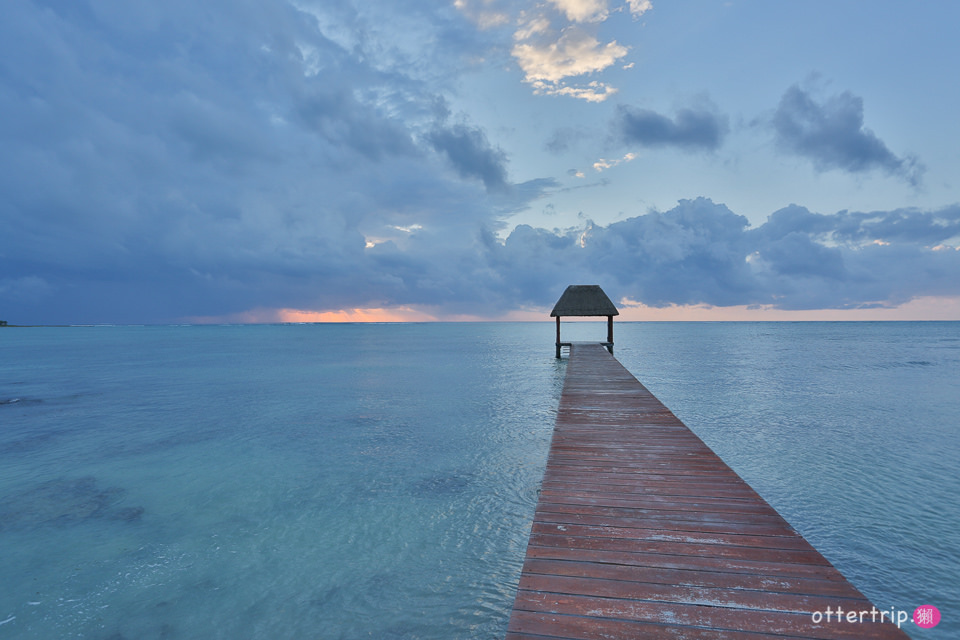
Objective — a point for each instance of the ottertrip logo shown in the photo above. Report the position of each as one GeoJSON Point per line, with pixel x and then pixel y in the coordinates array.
{"type": "Point", "coordinates": [926, 616]}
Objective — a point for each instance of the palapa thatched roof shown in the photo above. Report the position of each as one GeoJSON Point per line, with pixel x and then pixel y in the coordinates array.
{"type": "Point", "coordinates": [584, 300]}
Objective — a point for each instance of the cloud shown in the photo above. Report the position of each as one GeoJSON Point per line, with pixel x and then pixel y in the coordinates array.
{"type": "Point", "coordinates": [603, 164]}
{"type": "Point", "coordinates": [594, 91]}
{"type": "Point", "coordinates": [700, 252]}
{"type": "Point", "coordinates": [597, 10]}
{"type": "Point", "coordinates": [693, 128]}
{"type": "Point", "coordinates": [207, 160]}
{"type": "Point", "coordinates": [28, 287]}
{"type": "Point", "coordinates": [471, 154]}
{"type": "Point", "coordinates": [484, 13]}
{"type": "Point", "coordinates": [583, 10]}
{"type": "Point", "coordinates": [832, 134]}
{"type": "Point", "coordinates": [556, 43]}
{"type": "Point", "coordinates": [562, 139]}
{"type": "Point", "coordinates": [557, 50]}
{"type": "Point", "coordinates": [546, 64]}
{"type": "Point", "coordinates": [639, 7]}
{"type": "Point", "coordinates": [215, 160]}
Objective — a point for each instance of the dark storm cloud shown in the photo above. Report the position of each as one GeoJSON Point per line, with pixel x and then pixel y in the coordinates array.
{"type": "Point", "coordinates": [832, 134]}
{"type": "Point", "coordinates": [929, 228]}
{"type": "Point", "coordinates": [204, 159]}
{"type": "Point", "coordinates": [350, 125]}
{"type": "Point", "coordinates": [701, 252]}
{"type": "Point", "coordinates": [697, 128]}
{"type": "Point", "coordinates": [471, 154]}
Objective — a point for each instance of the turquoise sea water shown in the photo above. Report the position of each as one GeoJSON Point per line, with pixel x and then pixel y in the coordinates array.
{"type": "Point", "coordinates": [378, 481]}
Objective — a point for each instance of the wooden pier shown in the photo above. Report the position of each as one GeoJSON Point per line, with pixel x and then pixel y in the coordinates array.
{"type": "Point", "coordinates": [642, 531]}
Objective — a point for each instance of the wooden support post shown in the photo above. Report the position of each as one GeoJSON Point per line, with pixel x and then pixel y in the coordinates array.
{"type": "Point", "coordinates": [558, 336]}
{"type": "Point", "coordinates": [610, 334]}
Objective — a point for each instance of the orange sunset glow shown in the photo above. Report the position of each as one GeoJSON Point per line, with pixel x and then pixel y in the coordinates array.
{"type": "Point", "coordinates": [919, 309]}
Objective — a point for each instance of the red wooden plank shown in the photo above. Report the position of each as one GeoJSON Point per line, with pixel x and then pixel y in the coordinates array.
{"type": "Point", "coordinates": [620, 532]}
{"type": "Point", "coordinates": [693, 577]}
{"type": "Point", "coordinates": [696, 550]}
{"type": "Point", "coordinates": [750, 566]}
{"type": "Point", "coordinates": [673, 503]}
{"type": "Point", "coordinates": [554, 514]}
{"type": "Point", "coordinates": [548, 506]}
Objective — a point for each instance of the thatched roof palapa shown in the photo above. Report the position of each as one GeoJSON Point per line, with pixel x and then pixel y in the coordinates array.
{"type": "Point", "coordinates": [584, 300]}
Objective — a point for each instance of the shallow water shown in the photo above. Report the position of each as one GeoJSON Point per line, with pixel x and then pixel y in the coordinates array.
{"type": "Point", "coordinates": [345, 481]}
{"type": "Point", "coordinates": [850, 430]}
{"type": "Point", "coordinates": [263, 482]}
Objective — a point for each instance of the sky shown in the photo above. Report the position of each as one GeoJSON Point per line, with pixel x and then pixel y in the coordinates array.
{"type": "Point", "coordinates": [340, 160]}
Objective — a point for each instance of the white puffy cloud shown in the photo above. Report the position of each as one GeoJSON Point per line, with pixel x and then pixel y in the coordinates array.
{"type": "Point", "coordinates": [556, 43]}
{"type": "Point", "coordinates": [575, 53]}
{"type": "Point", "coordinates": [549, 64]}
{"type": "Point", "coordinates": [639, 7]}
{"type": "Point", "coordinates": [597, 10]}
{"type": "Point", "coordinates": [582, 10]}
{"type": "Point", "coordinates": [591, 92]}
{"type": "Point", "coordinates": [603, 164]}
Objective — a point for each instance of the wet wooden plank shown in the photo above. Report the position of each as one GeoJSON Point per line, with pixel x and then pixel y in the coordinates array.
{"type": "Point", "coordinates": [641, 531]}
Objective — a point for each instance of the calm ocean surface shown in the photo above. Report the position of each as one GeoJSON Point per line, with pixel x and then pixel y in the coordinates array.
{"type": "Point", "coordinates": [379, 481]}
